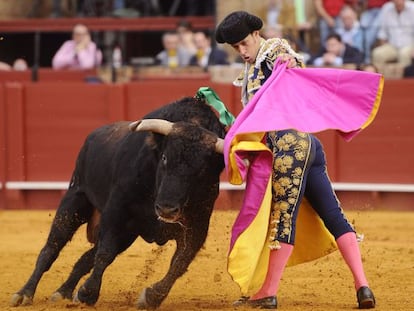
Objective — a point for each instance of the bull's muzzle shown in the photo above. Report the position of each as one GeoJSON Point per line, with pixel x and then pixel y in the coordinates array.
{"type": "Point", "coordinates": [168, 213]}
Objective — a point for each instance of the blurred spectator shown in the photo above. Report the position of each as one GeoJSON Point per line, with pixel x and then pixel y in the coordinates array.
{"type": "Point", "coordinates": [369, 24]}
{"type": "Point", "coordinates": [185, 36]}
{"type": "Point", "coordinates": [368, 67]}
{"type": "Point", "coordinates": [135, 8]}
{"type": "Point", "coordinates": [5, 66]}
{"type": "Point", "coordinates": [20, 64]}
{"type": "Point", "coordinates": [298, 18]}
{"type": "Point", "coordinates": [78, 53]}
{"type": "Point", "coordinates": [298, 48]}
{"type": "Point", "coordinates": [328, 13]}
{"type": "Point", "coordinates": [272, 12]}
{"type": "Point", "coordinates": [99, 8]}
{"type": "Point", "coordinates": [206, 54]}
{"type": "Point", "coordinates": [337, 53]}
{"type": "Point", "coordinates": [172, 54]}
{"type": "Point", "coordinates": [122, 9]}
{"type": "Point", "coordinates": [199, 8]}
{"type": "Point", "coordinates": [38, 5]}
{"type": "Point", "coordinates": [395, 35]}
{"type": "Point", "coordinates": [349, 29]}
{"type": "Point", "coordinates": [409, 70]}
{"type": "Point", "coordinates": [272, 31]}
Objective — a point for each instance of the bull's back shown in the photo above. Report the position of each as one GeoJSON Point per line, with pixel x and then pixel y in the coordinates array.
{"type": "Point", "coordinates": [97, 159]}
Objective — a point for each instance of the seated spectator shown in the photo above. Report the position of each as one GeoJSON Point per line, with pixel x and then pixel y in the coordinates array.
{"type": "Point", "coordinates": [186, 36]}
{"type": "Point", "coordinates": [206, 54]}
{"type": "Point", "coordinates": [121, 9]}
{"type": "Point", "coordinates": [409, 70]}
{"type": "Point", "coordinates": [135, 8]}
{"type": "Point", "coordinates": [328, 13]}
{"type": "Point", "coordinates": [172, 55]}
{"type": "Point", "coordinates": [337, 53]}
{"type": "Point", "coordinates": [395, 35]}
{"type": "Point", "coordinates": [349, 29]}
{"type": "Point", "coordinates": [20, 64]}
{"type": "Point", "coordinates": [78, 53]}
{"type": "Point", "coordinates": [369, 24]}
{"type": "Point", "coordinates": [5, 66]}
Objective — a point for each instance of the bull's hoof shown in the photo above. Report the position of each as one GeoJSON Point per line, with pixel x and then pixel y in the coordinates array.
{"type": "Point", "coordinates": [85, 296]}
{"type": "Point", "coordinates": [146, 300]}
{"type": "Point", "coordinates": [142, 301]}
{"type": "Point", "coordinates": [21, 299]}
{"type": "Point", "coordinates": [56, 297]}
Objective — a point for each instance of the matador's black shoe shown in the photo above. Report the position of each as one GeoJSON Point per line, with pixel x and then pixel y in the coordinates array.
{"type": "Point", "coordinates": [366, 299]}
{"type": "Point", "coordinates": [262, 303]}
{"type": "Point", "coordinates": [241, 301]}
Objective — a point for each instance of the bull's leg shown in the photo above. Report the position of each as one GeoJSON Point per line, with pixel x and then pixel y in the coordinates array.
{"type": "Point", "coordinates": [114, 238]}
{"type": "Point", "coordinates": [71, 214]}
{"type": "Point", "coordinates": [81, 268]}
{"type": "Point", "coordinates": [187, 247]}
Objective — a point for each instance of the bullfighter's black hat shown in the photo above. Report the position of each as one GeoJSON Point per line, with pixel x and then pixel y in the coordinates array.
{"type": "Point", "coordinates": [236, 26]}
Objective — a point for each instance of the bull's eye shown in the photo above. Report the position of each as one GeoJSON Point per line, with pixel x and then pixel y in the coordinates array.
{"type": "Point", "coordinates": [164, 159]}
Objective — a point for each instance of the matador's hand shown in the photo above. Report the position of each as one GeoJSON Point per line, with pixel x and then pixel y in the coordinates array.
{"type": "Point", "coordinates": [291, 61]}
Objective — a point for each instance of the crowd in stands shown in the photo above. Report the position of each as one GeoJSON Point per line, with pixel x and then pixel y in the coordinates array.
{"type": "Point", "coordinates": [125, 8]}
{"type": "Point", "coordinates": [365, 33]}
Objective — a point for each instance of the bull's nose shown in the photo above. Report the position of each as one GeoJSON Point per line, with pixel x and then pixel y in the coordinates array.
{"type": "Point", "coordinates": [165, 210]}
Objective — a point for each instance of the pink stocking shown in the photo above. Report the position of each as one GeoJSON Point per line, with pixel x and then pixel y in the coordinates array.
{"type": "Point", "coordinates": [348, 246]}
{"type": "Point", "coordinates": [277, 262]}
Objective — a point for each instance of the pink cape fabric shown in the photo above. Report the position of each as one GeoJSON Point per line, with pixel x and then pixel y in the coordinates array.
{"type": "Point", "coordinates": [307, 99]}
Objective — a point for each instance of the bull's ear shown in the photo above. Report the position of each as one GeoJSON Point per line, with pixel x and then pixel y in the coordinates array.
{"type": "Point", "coordinates": [220, 145]}
{"type": "Point", "coordinates": [159, 126]}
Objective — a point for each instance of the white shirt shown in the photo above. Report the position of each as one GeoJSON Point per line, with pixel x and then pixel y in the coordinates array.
{"type": "Point", "coordinates": [397, 29]}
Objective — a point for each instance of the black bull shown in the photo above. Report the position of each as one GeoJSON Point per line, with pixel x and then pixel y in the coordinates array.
{"type": "Point", "coordinates": [132, 181]}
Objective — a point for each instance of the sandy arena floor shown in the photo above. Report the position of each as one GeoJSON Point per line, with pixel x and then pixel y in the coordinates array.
{"type": "Point", "coordinates": [325, 284]}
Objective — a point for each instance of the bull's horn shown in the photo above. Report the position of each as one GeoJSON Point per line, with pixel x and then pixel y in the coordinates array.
{"type": "Point", "coordinates": [220, 145]}
{"type": "Point", "coordinates": [154, 125]}
{"type": "Point", "coordinates": [133, 126]}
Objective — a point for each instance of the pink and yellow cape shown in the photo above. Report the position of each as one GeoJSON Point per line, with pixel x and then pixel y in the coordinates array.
{"type": "Point", "coordinates": [309, 100]}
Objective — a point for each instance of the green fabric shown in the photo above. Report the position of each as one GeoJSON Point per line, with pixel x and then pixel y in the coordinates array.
{"type": "Point", "coordinates": [300, 11]}
{"type": "Point", "coordinates": [214, 101]}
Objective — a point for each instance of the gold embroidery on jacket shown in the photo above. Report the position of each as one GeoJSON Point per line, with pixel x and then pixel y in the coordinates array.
{"type": "Point", "coordinates": [269, 51]}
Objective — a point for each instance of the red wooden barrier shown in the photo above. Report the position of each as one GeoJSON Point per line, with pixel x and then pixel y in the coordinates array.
{"type": "Point", "coordinates": [48, 75]}
{"type": "Point", "coordinates": [385, 150]}
{"type": "Point", "coordinates": [15, 76]}
{"type": "Point", "coordinates": [3, 165]}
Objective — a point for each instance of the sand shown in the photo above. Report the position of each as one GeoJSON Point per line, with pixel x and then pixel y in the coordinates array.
{"type": "Point", "coordinates": [324, 284]}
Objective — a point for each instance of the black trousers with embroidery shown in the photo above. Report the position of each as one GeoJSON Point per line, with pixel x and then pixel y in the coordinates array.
{"type": "Point", "coordinates": [299, 169]}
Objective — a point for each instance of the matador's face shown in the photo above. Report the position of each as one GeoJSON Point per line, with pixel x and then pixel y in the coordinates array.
{"type": "Point", "coordinates": [248, 47]}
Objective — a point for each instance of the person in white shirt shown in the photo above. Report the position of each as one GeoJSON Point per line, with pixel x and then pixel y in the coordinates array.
{"type": "Point", "coordinates": [350, 29]}
{"type": "Point", "coordinates": [396, 34]}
